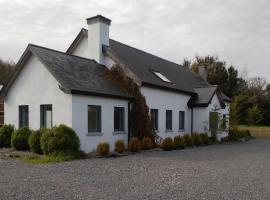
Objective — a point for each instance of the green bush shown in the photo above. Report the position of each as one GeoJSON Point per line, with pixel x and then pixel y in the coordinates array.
{"type": "Point", "coordinates": [179, 142]}
{"type": "Point", "coordinates": [5, 135]}
{"type": "Point", "coordinates": [103, 148]}
{"type": "Point", "coordinates": [34, 141]}
{"type": "Point", "coordinates": [196, 139]}
{"type": "Point", "coordinates": [19, 139]}
{"type": "Point", "coordinates": [147, 143]}
{"type": "Point", "coordinates": [59, 139]}
{"type": "Point", "coordinates": [119, 146]}
{"type": "Point", "coordinates": [134, 145]}
{"type": "Point", "coordinates": [167, 144]}
{"type": "Point", "coordinates": [233, 135]}
{"type": "Point", "coordinates": [205, 138]}
{"type": "Point", "coordinates": [188, 140]}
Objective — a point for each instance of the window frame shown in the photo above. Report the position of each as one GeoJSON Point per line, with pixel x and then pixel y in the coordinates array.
{"type": "Point", "coordinates": [155, 124]}
{"type": "Point", "coordinates": [99, 122]}
{"type": "Point", "coordinates": [122, 129]}
{"type": "Point", "coordinates": [171, 120]}
{"type": "Point", "coordinates": [182, 122]}
{"type": "Point", "coordinates": [21, 121]}
{"type": "Point", "coordinates": [43, 115]}
{"type": "Point", "coordinates": [162, 76]}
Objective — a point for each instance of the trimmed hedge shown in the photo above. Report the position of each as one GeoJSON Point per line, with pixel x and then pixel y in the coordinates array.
{"type": "Point", "coordinates": [34, 141]}
{"type": "Point", "coordinates": [119, 146]}
{"type": "Point", "coordinates": [134, 144]}
{"type": "Point", "coordinates": [196, 139]}
{"type": "Point", "coordinates": [5, 135]}
{"type": "Point", "coordinates": [205, 138]}
{"type": "Point", "coordinates": [188, 140]}
{"type": "Point", "coordinates": [179, 142]}
{"type": "Point", "coordinates": [167, 144]}
{"type": "Point", "coordinates": [59, 139]}
{"type": "Point", "coordinates": [147, 143]}
{"type": "Point", "coordinates": [103, 148]}
{"type": "Point", "coordinates": [19, 138]}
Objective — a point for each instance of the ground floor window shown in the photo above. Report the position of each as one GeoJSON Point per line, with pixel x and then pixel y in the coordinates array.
{"type": "Point", "coordinates": [154, 118]}
{"type": "Point", "coordinates": [213, 122]}
{"type": "Point", "coordinates": [168, 119]}
{"type": "Point", "coordinates": [181, 120]}
{"type": "Point", "coordinates": [45, 116]}
{"type": "Point", "coordinates": [94, 118]}
{"type": "Point", "coordinates": [119, 118]}
{"type": "Point", "coordinates": [23, 116]}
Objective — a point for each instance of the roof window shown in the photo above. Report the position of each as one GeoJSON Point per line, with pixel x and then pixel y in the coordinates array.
{"type": "Point", "coordinates": [162, 77]}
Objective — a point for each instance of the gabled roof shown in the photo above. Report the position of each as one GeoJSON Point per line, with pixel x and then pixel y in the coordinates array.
{"type": "Point", "coordinates": [225, 97]}
{"type": "Point", "coordinates": [75, 75]}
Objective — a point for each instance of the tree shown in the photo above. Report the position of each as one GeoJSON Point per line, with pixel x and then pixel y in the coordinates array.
{"type": "Point", "coordinates": [6, 69]}
{"type": "Point", "coordinates": [254, 115]}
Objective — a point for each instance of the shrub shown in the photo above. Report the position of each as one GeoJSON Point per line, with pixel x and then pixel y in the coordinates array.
{"type": "Point", "coordinates": [103, 148]}
{"type": "Point", "coordinates": [167, 144]}
{"type": "Point", "coordinates": [179, 142]}
{"type": "Point", "coordinates": [147, 143]}
{"type": "Point", "coordinates": [5, 135]}
{"type": "Point", "coordinates": [134, 145]}
{"type": "Point", "coordinates": [197, 140]}
{"type": "Point", "coordinates": [59, 139]}
{"type": "Point", "coordinates": [233, 135]}
{"type": "Point", "coordinates": [205, 139]}
{"type": "Point", "coordinates": [188, 140]}
{"type": "Point", "coordinates": [119, 146]}
{"type": "Point", "coordinates": [34, 141]}
{"type": "Point", "coordinates": [19, 139]}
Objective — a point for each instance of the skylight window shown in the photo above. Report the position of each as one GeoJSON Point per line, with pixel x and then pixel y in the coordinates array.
{"type": "Point", "coordinates": [162, 77]}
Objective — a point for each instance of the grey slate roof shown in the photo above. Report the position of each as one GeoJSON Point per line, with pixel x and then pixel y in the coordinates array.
{"type": "Point", "coordinates": [204, 96]}
{"type": "Point", "coordinates": [225, 97]}
{"type": "Point", "coordinates": [143, 64]}
{"type": "Point", "coordinates": [75, 74]}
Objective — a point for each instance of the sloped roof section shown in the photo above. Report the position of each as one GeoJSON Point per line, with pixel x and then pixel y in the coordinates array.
{"type": "Point", "coordinates": [225, 97]}
{"type": "Point", "coordinates": [75, 74]}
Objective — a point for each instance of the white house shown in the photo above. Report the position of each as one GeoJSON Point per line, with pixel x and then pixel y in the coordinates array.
{"type": "Point", "coordinates": [52, 87]}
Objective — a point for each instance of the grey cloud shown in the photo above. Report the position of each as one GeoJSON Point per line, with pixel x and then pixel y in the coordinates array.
{"type": "Point", "coordinates": [236, 31]}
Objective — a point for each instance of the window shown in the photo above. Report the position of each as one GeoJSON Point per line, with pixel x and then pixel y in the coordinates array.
{"type": "Point", "coordinates": [119, 119]}
{"type": "Point", "coordinates": [45, 116]}
{"type": "Point", "coordinates": [168, 119]}
{"type": "Point", "coordinates": [224, 121]}
{"type": "Point", "coordinates": [181, 120]}
{"type": "Point", "coordinates": [162, 77]}
{"type": "Point", "coordinates": [94, 118]}
{"type": "Point", "coordinates": [154, 118]}
{"type": "Point", "coordinates": [213, 121]}
{"type": "Point", "coordinates": [23, 116]}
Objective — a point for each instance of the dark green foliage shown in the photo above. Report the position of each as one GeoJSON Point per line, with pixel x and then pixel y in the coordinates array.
{"type": "Point", "coordinates": [59, 139]}
{"type": "Point", "coordinates": [188, 140]}
{"type": "Point", "coordinates": [205, 138]}
{"type": "Point", "coordinates": [134, 144]}
{"type": "Point", "coordinates": [167, 144]}
{"type": "Point", "coordinates": [196, 139]}
{"type": "Point", "coordinates": [179, 142]}
{"type": "Point", "coordinates": [6, 70]}
{"type": "Point", "coordinates": [34, 141]}
{"type": "Point", "coordinates": [103, 148]}
{"type": "Point", "coordinates": [19, 139]}
{"type": "Point", "coordinates": [119, 146]}
{"type": "Point", "coordinates": [5, 135]}
{"type": "Point", "coordinates": [140, 125]}
{"type": "Point", "coordinates": [147, 143]}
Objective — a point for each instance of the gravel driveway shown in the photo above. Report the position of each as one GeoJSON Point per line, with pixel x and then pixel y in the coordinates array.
{"type": "Point", "coordinates": [230, 171]}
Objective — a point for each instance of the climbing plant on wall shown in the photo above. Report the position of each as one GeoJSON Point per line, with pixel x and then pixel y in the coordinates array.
{"type": "Point", "coordinates": [140, 122]}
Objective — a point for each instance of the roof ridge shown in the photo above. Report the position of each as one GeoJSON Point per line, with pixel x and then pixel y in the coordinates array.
{"type": "Point", "coordinates": [46, 48]}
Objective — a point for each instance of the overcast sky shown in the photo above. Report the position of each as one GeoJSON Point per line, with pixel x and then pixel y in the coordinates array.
{"type": "Point", "coordinates": [238, 31]}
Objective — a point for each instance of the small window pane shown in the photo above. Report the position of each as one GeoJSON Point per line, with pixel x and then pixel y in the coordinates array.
{"type": "Point", "coordinates": [119, 118]}
{"type": "Point", "coordinates": [181, 120]}
{"type": "Point", "coordinates": [45, 116]}
{"type": "Point", "coordinates": [23, 116]}
{"type": "Point", "coordinates": [94, 118]}
{"type": "Point", "coordinates": [162, 77]}
{"type": "Point", "coordinates": [154, 119]}
{"type": "Point", "coordinates": [168, 119]}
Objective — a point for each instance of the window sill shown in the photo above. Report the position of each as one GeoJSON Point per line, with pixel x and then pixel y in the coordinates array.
{"type": "Point", "coordinates": [94, 134]}
{"type": "Point", "coordinates": [181, 130]}
{"type": "Point", "coordinates": [168, 131]}
{"type": "Point", "coordinates": [119, 133]}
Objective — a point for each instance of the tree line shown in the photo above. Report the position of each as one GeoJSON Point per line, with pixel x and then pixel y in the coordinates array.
{"type": "Point", "coordinates": [6, 70]}
{"type": "Point", "coordinates": [250, 96]}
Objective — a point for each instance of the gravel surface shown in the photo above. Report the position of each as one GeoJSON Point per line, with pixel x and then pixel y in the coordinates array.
{"type": "Point", "coordinates": [230, 171]}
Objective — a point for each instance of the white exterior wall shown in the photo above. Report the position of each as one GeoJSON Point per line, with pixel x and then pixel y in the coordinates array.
{"type": "Point", "coordinates": [35, 86]}
{"type": "Point", "coordinates": [166, 100]}
{"type": "Point", "coordinates": [82, 48]}
{"type": "Point", "coordinates": [80, 121]}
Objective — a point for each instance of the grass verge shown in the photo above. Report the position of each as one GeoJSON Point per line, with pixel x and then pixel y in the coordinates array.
{"type": "Point", "coordinates": [257, 131]}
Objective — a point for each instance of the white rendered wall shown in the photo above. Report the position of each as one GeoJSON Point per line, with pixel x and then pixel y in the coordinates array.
{"type": "Point", "coordinates": [35, 86]}
{"type": "Point", "coordinates": [80, 121]}
{"type": "Point", "coordinates": [82, 48]}
{"type": "Point", "coordinates": [165, 100]}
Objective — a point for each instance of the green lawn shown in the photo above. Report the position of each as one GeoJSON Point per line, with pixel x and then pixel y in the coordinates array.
{"type": "Point", "coordinates": [257, 131]}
